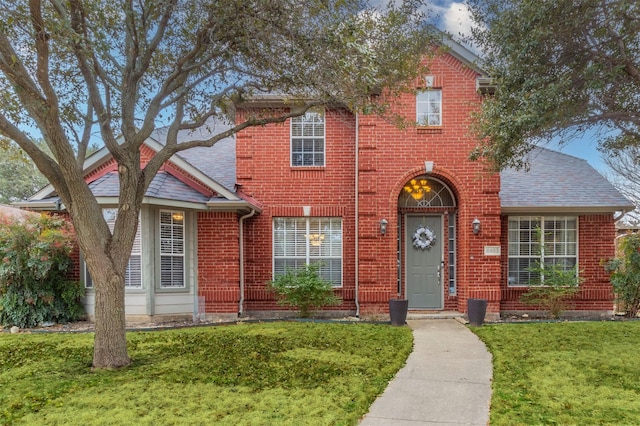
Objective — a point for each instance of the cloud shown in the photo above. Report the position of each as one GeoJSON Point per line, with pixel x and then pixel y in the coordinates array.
{"type": "Point", "coordinates": [455, 18]}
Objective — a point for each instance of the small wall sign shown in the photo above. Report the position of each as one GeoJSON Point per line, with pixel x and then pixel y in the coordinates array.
{"type": "Point", "coordinates": [492, 250]}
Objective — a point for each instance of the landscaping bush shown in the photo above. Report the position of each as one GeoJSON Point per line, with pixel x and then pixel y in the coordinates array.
{"type": "Point", "coordinates": [625, 274]}
{"type": "Point", "coordinates": [34, 285]}
{"type": "Point", "coordinates": [551, 284]}
{"type": "Point", "coordinates": [304, 289]}
{"type": "Point", "coordinates": [552, 292]}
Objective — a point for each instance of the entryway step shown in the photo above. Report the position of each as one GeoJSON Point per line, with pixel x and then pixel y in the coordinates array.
{"type": "Point", "coordinates": [416, 315]}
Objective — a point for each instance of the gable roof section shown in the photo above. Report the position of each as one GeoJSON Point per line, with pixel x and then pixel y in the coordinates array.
{"type": "Point", "coordinates": [558, 183]}
{"type": "Point", "coordinates": [217, 162]}
{"type": "Point", "coordinates": [212, 167]}
{"type": "Point", "coordinates": [461, 52]}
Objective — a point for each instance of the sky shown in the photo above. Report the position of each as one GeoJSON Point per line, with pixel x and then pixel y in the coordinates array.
{"type": "Point", "coordinates": [455, 18]}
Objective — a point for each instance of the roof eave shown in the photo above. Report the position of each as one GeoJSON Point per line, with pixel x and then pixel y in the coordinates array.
{"type": "Point", "coordinates": [226, 206]}
{"type": "Point", "coordinates": [565, 209]}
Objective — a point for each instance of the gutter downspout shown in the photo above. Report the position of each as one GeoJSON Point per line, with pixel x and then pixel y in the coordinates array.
{"type": "Point", "coordinates": [242, 219]}
{"type": "Point", "coordinates": [357, 220]}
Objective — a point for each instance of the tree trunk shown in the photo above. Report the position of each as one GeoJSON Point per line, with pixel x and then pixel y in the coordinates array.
{"type": "Point", "coordinates": [110, 343]}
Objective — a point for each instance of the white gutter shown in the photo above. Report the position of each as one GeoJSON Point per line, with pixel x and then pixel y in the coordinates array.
{"type": "Point", "coordinates": [242, 219]}
{"type": "Point", "coordinates": [357, 221]}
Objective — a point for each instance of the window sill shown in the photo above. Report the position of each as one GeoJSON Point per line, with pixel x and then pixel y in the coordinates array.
{"type": "Point", "coordinates": [172, 289]}
{"type": "Point", "coordinates": [127, 290]}
{"type": "Point", "coordinates": [429, 129]}
{"type": "Point", "coordinates": [308, 168]}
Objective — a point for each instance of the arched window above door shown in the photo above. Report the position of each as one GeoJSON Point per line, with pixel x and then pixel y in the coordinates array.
{"type": "Point", "coordinates": [425, 191]}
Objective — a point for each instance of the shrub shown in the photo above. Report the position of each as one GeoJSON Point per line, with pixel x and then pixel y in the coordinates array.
{"type": "Point", "coordinates": [552, 287]}
{"type": "Point", "coordinates": [625, 274]}
{"type": "Point", "coordinates": [304, 289]}
{"type": "Point", "coordinates": [34, 285]}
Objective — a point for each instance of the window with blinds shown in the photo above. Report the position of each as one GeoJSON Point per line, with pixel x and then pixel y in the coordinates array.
{"type": "Point", "coordinates": [547, 240]}
{"type": "Point", "coordinates": [300, 241]}
{"type": "Point", "coordinates": [172, 249]}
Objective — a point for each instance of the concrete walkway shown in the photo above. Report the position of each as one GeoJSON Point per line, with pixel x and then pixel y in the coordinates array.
{"type": "Point", "coordinates": [446, 381]}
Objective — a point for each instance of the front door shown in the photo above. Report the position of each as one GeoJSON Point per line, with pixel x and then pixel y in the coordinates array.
{"type": "Point", "coordinates": [423, 257]}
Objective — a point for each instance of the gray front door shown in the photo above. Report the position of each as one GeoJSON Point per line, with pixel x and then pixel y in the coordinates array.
{"type": "Point", "coordinates": [423, 248]}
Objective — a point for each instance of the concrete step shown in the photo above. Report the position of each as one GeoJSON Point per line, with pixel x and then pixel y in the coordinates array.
{"type": "Point", "coordinates": [416, 315]}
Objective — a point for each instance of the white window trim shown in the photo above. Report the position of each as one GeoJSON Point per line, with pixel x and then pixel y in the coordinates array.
{"type": "Point", "coordinates": [542, 219]}
{"type": "Point", "coordinates": [423, 119]}
{"type": "Point", "coordinates": [292, 121]}
{"type": "Point", "coordinates": [307, 258]}
{"type": "Point", "coordinates": [172, 255]}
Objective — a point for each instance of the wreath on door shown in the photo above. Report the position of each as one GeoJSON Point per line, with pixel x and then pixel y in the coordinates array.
{"type": "Point", "coordinates": [424, 238]}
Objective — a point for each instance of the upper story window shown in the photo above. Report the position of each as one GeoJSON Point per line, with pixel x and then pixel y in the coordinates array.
{"type": "Point", "coordinates": [429, 107]}
{"type": "Point", "coordinates": [307, 139]}
{"type": "Point", "coordinates": [540, 239]}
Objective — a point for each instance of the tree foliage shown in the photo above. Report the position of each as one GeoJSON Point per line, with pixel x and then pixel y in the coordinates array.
{"type": "Point", "coordinates": [34, 286]}
{"type": "Point", "coordinates": [117, 70]}
{"type": "Point", "coordinates": [624, 173]}
{"type": "Point", "coordinates": [625, 274]}
{"type": "Point", "coordinates": [19, 177]}
{"type": "Point", "coordinates": [560, 68]}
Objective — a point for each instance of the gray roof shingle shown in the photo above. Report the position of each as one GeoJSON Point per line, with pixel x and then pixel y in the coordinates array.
{"type": "Point", "coordinates": [217, 162]}
{"type": "Point", "coordinates": [557, 180]}
{"type": "Point", "coordinates": [163, 186]}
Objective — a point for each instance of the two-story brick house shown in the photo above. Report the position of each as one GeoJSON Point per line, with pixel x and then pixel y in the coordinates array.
{"type": "Point", "coordinates": [388, 212]}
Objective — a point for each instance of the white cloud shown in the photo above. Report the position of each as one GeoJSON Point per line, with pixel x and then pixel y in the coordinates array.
{"type": "Point", "coordinates": [455, 18]}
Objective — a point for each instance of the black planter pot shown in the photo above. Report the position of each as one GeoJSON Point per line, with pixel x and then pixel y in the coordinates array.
{"type": "Point", "coordinates": [476, 310]}
{"type": "Point", "coordinates": [398, 311]}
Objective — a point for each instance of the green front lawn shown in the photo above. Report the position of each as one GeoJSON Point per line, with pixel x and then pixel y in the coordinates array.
{"type": "Point", "coordinates": [570, 373]}
{"type": "Point", "coordinates": [283, 373]}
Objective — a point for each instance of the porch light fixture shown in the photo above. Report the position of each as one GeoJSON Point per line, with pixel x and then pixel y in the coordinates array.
{"type": "Point", "coordinates": [383, 226]}
{"type": "Point", "coordinates": [476, 226]}
{"type": "Point", "coordinates": [315, 239]}
{"type": "Point", "coordinates": [417, 188]}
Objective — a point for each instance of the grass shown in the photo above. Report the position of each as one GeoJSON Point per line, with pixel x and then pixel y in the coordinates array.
{"type": "Point", "coordinates": [571, 373]}
{"type": "Point", "coordinates": [283, 373]}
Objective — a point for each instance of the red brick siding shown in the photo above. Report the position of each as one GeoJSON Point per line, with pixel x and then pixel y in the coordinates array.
{"type": "Point", "coordinates": [264, 171]}
{"type": "Point", "coordinates": [388, 158]}
{"type": "Point", "coordinates": [219, 261]}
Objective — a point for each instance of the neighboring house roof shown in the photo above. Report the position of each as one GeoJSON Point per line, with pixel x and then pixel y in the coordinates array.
{"type": "Point", "coordinates": [14, 213]}
{"type": "Point", "coordinates": [557, 182]}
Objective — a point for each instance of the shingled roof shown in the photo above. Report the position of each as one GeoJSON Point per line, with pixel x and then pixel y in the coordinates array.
{"type": "Point", "coordinates": [163, 186]}
{"type": "Point", "coordinates": [558, 182]}
{"type": "Point", "coordinates": [217, 162]}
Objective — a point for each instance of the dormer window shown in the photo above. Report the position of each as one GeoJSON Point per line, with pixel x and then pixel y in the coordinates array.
{"type": "Point", "coordinates": [307, 139]}
{"type": "Point", "coordinates": [429, 107]}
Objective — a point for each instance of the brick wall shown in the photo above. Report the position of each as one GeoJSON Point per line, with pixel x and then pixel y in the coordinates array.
{"type": "Point", "coordinates": [264, 171]}
{"type": "Point", "coordinates": [219, 261]}
{"type": "Point", "coordinates": [388, 157]}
